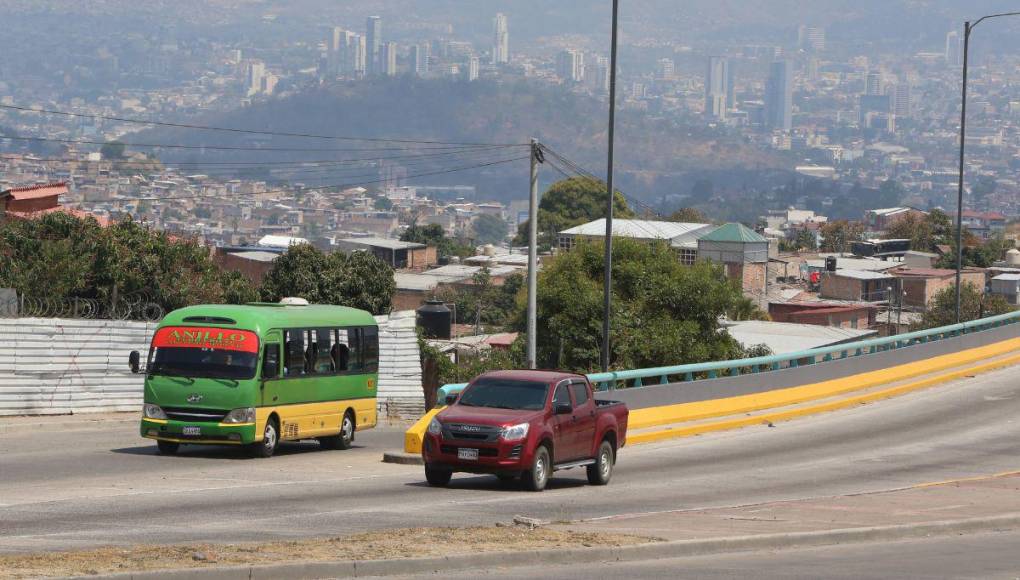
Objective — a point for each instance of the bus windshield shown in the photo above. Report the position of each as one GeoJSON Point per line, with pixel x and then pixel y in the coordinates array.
{"type": "Point", "coordinates": [217, 353]}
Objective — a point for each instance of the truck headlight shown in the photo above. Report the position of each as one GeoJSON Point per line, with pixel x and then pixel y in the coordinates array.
{"type": "Point", "coordinates": [515, 432]}
{"type": "Point", "coordinates": [435, 427]}
{"type": "Point", "coordinates": [150, 411]}
{"type": "Point", "coordinates": [242, 415]}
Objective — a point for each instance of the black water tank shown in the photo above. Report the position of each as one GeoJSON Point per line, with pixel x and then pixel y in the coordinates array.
{"type": "Point", "coordinates": [435, 319]}
{"type": "Point", "coordinates": [830, 263]}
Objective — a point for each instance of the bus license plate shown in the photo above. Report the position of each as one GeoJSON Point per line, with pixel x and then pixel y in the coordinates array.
{"type": "Point", "coordinates": [467, 454]}
{"type": "Point", "coordinates": [192, 430]}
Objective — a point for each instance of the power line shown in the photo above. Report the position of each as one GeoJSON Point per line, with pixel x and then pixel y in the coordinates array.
{"type": "Point", "coordinates": [232, 148]}
{"type": "Point", "coordinates": [329, 186]}
{"type": "Point", "coordinates": [581, 171]}
{"type": "Point", "coordinates": [314, 162]}
{"type": "Point", "coordinates": [249, 131]}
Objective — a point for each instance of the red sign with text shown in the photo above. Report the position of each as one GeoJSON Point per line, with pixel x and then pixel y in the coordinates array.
{"type": "Point", "coordinates": [211, 338]}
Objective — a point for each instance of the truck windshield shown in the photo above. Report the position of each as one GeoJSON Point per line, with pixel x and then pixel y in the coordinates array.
{"type": "Point", "coordinates": [215, 353]}
{"type": "Point", "coordinates": [505, 394]}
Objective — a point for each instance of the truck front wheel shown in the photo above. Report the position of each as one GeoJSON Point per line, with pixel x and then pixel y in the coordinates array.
{"type": "Point", "coordinates": [600, 471]}
{"type": "Point", "coordinates": [535, 478]}
{"type": "Point", "coordinates": [437, 477]}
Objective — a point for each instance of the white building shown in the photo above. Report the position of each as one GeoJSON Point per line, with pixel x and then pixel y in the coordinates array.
{"type": "Point", "coordinates": [500, 40]}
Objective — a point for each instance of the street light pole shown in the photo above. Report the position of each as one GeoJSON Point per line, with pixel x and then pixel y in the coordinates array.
{"type": "Point", "coordinates": [608, 278]}
{"type": "Point", "coordinates": [967, 29]}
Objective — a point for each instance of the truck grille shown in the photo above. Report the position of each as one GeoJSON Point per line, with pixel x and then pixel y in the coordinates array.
{"type": "Point", "coordinates": [464, 432]}
{"type": "Point", "coordinates": [195, 415]}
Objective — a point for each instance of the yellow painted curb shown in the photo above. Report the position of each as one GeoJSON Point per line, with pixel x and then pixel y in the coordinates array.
{"type": "Point", "coordinates": [414, 436]}
{"type": "Point", "coordinates": [685, 412]}
{"type": "Point", "coordinates": [649, 437]}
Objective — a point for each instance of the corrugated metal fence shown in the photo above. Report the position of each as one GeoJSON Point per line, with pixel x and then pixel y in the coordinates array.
{"type": "Point", "coordinates": [52, 366]}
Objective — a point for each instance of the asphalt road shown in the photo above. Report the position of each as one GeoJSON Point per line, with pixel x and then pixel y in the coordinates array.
{"type": "Point", "coordinates": [985, 556]}
{"type": "Point", "coordinates": [73, 489]}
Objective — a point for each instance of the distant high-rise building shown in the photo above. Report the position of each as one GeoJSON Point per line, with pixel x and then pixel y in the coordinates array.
{"type": "Point", "coordinates": [420, 59]}
{"type": "Point", "coordinates": [874, 84]}
{"type": "Point", "coordinates": [717, 89]}
{"type": "Point", "coordinates": [954, 49]}
{"type": "Point", "coordinates": [388, 59]}
{"type": "Point", "coordinates": [473, 66]}
{"type": "Point", "coordinates": [811, 38]}
{"type": "Point", "coordinates": [373, 42]}
{"type": "Point", "coordinates": [902, 105]}
{"type": "Point", "coordinates": [269, 83]}
{"type": "Point", "coordinates": [500, 40]}
{"type": "Point", "coordinates": [359, 55]}
{"type": "Point", "coordinates": [570, 65]}
{"type": "Point", "coordinates": [779, 96]}
{"type": "Point", "coordinates": [667, 69]}
{"type": "Point", "coordinates": [602, 75]}
{"type": "Point", "coordinates": [256, 71]}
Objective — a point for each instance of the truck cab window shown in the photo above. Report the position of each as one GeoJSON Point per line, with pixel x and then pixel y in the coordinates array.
{"type": "Point", "coordinates": [580, 392]}
{"type": "Point", "coordinates": [561, 395]}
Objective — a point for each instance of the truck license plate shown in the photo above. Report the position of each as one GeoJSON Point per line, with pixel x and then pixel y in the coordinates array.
{"type": "Point", "coordinates": [467, 454]}
{"type": "Point", "coordinates": [192, 430]}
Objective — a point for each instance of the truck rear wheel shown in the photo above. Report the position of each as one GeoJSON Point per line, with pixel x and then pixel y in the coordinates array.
{"type": "Point", "coordinates": [600, 471]}
{"type": "Point", "coordinates": [437, 477]}
{"type": "Point", "coordinates": [535, 478]}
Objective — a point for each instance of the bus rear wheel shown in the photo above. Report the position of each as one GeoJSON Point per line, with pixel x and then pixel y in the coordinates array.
{"type": "Point", "coordinates": [343, 440]}
{"type": "Point", "coordinates": [168, 447]}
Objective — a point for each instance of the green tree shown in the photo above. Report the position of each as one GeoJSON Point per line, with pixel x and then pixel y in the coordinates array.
{"type": "Point", "coordinates": [60, 256]}
{"type": "Point", "coordinates": [664, 313]}
{"type": "Point", "coordinates": [890, 193]}
{"type": "Point", "coordinates": [973, 305]}
{"type": "Point", "coordinates": [985, 186]}
{"type": "Point", "coordinates": [358, 280]}
{"type": "Point", "coordinates": [924, 231]}
{"type": "Point", "coordinates": [688, 215]}
{"type": "Point", "coordinates": [838, 235]}
{"type": "Point", "coordinates": [433, 235]}
{"type": "Point", "coordinates": [489, 229]}
{"type": "Point", "coordinates": [383, 204]}
{"type": "Point", "coordinates": [806, 240]}
{"type": "Point", "coordinates": [568, 203]}
{"type": "Point", "coordinates": [112, 150]}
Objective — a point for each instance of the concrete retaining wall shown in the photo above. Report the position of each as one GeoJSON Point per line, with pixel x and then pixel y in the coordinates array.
{"type": "Point", "coordinates": [53, 366]}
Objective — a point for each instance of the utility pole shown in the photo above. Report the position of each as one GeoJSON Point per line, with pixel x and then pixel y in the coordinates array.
{"type": "Point", "coordinates": [607, 289]}
{"type": "Point", "coordinates": [967, 29]}
{"type": "Point", "coordinates": [536, 158]}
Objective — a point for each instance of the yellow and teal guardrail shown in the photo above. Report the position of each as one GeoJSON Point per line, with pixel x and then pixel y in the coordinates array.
{"type": "Point", "coordinates": [713, 370]}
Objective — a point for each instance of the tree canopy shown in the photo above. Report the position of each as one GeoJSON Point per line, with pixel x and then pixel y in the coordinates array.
{"type": "Point", "coordinates": [358, 280]}
{"type": "Point", "coordinates": [688, 215]}
{"type": "Point", "coordinates": [974, 304]}
{"type": "Point", "coordinates": [60, 256]}
{"type": "Point", "coordinates": [838, 235]}
{"type": "Point", "coordinates": [433, 235]}
{"type": "Point", "coordinates": [663, 312]}
{"type": "Point", "coordinates": [489, 229]}
{"type": "Point", "coordinates": [571, 202]}
{"type": "Point", "coordinates": [924, 231]}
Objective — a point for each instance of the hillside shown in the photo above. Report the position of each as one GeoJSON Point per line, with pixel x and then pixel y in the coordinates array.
{"type": "Point", "coordinates": [653, 156]}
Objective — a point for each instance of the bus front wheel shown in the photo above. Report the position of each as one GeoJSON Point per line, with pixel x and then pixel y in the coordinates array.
{"type": "Point", "coordinates": [168, 447]}
{"type": "Point", "coordinates": [270, 439]}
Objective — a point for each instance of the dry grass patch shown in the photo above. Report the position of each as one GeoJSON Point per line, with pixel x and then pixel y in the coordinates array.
{"type": "Point", "coordinates": [390, 544]}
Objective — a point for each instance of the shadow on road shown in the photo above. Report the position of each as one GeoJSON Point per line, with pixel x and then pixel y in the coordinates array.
{"type": "Point", "coordinates": [490, 483]}
{"type": "Point", "coordinates": [230, 451]}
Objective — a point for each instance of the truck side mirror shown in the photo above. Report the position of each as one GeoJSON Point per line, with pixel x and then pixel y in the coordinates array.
{"type": "Point", "coordinates": [563, 409]}
{"type": "Point", "coordinates": [134, 361]}
{"type": "Point", "coordinates": [451, 399]}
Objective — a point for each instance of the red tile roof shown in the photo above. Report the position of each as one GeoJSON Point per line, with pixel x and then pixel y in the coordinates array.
{"type": "Point", "coordinates": [29, 215]}
{"type": "Point", "coordinates": [983, 215]}
{"type": "Point", "coordinates": [37, 191]}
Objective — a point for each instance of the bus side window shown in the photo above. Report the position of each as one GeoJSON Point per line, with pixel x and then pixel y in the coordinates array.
{"type": "Point", "coordinates": [354, 341]}
{"type": "Point", "coordinates": [323, 362]}
{"type": "Point", "coordinates": [370, 349]}
{"type": "Point", "coordinates": [341, 352]}
{"type": "Point", "coordinates": [271, 361]}
{"type": "Point", "coordinates": [294, 361]}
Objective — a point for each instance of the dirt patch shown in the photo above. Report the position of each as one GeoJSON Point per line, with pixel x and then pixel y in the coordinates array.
{"type": "Point", "coordinates": [390, 544]}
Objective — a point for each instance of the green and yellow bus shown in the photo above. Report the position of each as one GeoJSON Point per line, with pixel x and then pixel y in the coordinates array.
{"type": "Point", "coordinates": [259, 374]}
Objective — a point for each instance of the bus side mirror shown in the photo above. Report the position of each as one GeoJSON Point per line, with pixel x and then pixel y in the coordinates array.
{"type": "Point", "coordinates": [134, 361]}
{"type": "Point", "coordinates": [451, 399]}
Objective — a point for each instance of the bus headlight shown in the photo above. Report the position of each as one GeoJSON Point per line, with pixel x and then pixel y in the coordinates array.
{"type": "Point", "coordinates": [242, 415]}
{"type": "Point", "coordinates": [435, 427]}
{"type": "Point", "coordinates": [515, 432]}
{"type": "Point", "coordinates": [150, 411]}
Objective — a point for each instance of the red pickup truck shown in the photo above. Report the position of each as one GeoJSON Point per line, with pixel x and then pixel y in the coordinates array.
{"type": "Point", "coordinates": [527, 424]}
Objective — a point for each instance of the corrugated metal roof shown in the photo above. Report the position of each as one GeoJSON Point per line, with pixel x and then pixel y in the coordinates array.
{"type": "Point", "coordinates": [640, 229]}
{"type": "Point", "coordinates": [274, 241]}
{"type": "Point", "coordinates": [387, 243]}
{"type": "Point", "coordinates": [784, 337]}
{"type": "Point", "coordinates": [862, 274]}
